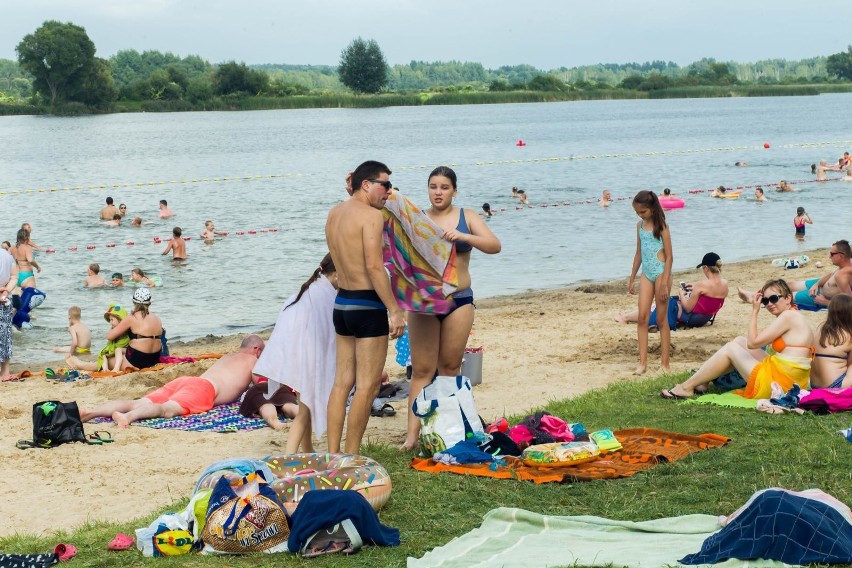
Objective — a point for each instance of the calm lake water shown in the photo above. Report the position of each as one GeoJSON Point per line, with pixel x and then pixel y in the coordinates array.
{"type": "Point", "coordinates": [239, 282]}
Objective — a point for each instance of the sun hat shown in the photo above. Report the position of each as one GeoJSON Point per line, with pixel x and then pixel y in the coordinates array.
{"type": "Point", "coordinates": [142, 296]}
{"type": "Point", "coordinates": [116, 311]}
{"type": "Point", "coordinates": [710, 259]}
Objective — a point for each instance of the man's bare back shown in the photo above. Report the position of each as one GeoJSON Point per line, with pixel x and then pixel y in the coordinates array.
{"type": "Point", "coordinates": [230, 376]}
{"type": "Point", "coordinates": [345, 234]}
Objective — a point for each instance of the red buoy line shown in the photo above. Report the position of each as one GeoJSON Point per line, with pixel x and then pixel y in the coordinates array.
{"type": "Point", "coordinates": [157, 240]}
{"type": "Point", "coordinates": [484, 163]}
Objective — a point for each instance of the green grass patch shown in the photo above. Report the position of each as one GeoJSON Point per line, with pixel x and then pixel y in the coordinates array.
{"type": "Point", "coordinates": [791, 451]}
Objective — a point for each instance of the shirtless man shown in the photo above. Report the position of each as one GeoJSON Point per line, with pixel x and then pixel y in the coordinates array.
{"type": "Point", "coordinates": [115, 222]}
{"type": "Point", "coordinates": [165, 212]}
{"type": "Point", "coordinates": [365, 311]}
{"type": "Point", "coordinates": [109, 211]}
{"type": "Point", "coordinates": [816, 293]}
{"type": "Point", "coordinates": [23, 255]}
{"type": "Point", "coordinates": [222, 383]}
{"type": "Point", "coordinates": [177, 245]}
{"type": "Point", "coordinates": [93, 277]}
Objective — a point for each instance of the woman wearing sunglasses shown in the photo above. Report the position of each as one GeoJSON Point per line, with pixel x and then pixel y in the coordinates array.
{"type": "Point", "coordinates": [834, 346]}
{"type": "Point", "coordinates": [786, 359]}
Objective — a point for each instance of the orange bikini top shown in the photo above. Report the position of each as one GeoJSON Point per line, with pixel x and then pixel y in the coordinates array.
{"type": "Point", "coordinates": [779, 345]}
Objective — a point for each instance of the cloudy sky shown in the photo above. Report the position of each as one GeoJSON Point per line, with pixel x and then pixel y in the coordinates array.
{"type": "Point", "coordinates": [544, 33]}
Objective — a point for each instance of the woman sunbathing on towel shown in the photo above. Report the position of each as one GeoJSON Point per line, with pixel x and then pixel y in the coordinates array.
{"type": "Point", "coordinates": [834, 346]}
{"type": "Point", "coordinates": [786, 360]}
{"type": "Point", "coordinates": [696, 303]}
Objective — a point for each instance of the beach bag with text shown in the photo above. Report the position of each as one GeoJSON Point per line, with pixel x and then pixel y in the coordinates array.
{"type": "Point", "coordinates": [56, 423]}
{"type": "Point", "coordinates": [447, 414]}
{"type": "Point", "coordinates": [245, 516]}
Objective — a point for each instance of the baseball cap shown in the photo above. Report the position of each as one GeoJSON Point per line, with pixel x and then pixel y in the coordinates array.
{"type": "Point", "coordinates": [710, 259]}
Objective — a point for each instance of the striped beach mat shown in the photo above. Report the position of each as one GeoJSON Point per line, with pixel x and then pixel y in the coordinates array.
{"type": "Point", "coordinates": [222, 418]}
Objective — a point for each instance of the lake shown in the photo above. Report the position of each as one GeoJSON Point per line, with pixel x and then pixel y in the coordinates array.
{"type": "Point", "coordinates": [286, 168]}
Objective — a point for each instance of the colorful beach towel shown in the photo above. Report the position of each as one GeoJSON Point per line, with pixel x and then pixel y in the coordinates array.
{"type": "Point", "coordinates": [643, 448]}
{"type": "Point", "coordinates": [222, 418]}
{"type": "Point", "coordinates": [423, 265]}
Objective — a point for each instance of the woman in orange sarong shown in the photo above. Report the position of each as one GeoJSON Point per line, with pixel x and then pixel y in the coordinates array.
{"type": "Point", "coordinates": [786, 359]}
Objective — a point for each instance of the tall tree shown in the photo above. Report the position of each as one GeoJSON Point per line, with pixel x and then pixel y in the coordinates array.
{"type": "Point", "coordinates": [60, 57]}
{"type": "Point", "coordinates": [363, 67]}
{"type": "Point", "coordinates": [233, 77]}
{"type": "Point", "coordinates": [840, 64]}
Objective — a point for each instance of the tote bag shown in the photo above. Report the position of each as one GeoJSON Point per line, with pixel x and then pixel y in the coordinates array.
{"type": "Point", "coordinates": [447, 414]}
{"type": "Point", "coordinates": [245, 516]}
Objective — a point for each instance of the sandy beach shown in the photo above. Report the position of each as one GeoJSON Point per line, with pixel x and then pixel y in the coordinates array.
{"type": "Point", "coordinates": [538, 346]}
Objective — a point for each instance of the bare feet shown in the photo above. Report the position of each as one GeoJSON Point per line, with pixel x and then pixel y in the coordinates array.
{"type": "Point", "coordinates": [408, 445]}
{"type": "Point", "coordinates": [640, 370]}
{"type": "Point", "coordinates": [120, 419]}
{"type": "Point", "coordinates": [744, 296]}
{"type": "Point", "coordinates": [620, 318]}
{"type": "Point", "coordinates": [276, 424]}
{"type": "Point", "coordinates": [666, 368]}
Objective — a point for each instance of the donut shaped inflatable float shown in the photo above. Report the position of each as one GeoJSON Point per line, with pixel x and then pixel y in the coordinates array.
{"type": "Point", "coordinates": [296, 474]}
{"type": "Point", "coordinates": [672, 202]}
{"type": "Point", "coordinates": [729, 194]}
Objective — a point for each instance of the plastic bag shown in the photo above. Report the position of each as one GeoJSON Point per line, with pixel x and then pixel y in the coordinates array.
{"type": "Point", "coordinates": [168, 535]}
{"type": "Point", "coordinates": [447, 414]}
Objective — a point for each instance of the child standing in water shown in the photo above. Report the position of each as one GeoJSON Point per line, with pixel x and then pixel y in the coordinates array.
{"type": "Point", "coordinates": [799, 221]}
{"type": "Point", "coordinates": [654, 254]}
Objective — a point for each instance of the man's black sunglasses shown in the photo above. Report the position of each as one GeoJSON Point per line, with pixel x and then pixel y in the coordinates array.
{"type": "Point", "coordinates": [384, 183]}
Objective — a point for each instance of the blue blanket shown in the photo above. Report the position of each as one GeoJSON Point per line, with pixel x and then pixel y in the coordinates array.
{"type": "Point", "coordinates": [778, 525]}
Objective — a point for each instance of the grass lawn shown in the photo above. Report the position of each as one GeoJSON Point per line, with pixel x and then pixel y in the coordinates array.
{"type": "Point", "coordinates": [790, 451]}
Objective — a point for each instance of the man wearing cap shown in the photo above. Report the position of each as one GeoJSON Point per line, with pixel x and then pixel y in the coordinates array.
{"type": "Point", "coordinates": [222, 383]}
{"type": "Point", "coordinates": [815, 294]}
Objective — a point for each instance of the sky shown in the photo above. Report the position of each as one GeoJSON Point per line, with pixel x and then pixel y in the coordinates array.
{"type": "Point", "coordinates": [546, 34]}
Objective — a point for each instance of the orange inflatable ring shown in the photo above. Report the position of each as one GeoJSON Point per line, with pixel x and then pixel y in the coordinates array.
{"type": "Point", "coordinates": [296, 474]}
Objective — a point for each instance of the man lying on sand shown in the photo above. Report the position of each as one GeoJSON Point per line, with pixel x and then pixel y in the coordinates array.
{"type": "Point", "coordinates": [222, 383]}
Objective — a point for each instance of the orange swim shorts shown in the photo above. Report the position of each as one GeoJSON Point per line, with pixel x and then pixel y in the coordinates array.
{"type": "Point", "coordinates": [194, 394]}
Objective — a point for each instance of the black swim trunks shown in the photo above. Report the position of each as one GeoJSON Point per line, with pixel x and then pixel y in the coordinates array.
{"type": "Point", "coordinates": [360, 313]}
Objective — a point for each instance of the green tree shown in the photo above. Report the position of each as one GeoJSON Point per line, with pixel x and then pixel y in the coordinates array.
{"type": "Point", "coordinates": [60, 57]}
{"type": "Point", "coordinates": [546, 83]}
{"type": "Point", "coordinates": [97, 87]}
{"type": "Point", "coordinates": [233, 77]}
{"type": "Point", "coordinates": [840, 64]}
{"type": "Point", "coordinates": [362, 67]}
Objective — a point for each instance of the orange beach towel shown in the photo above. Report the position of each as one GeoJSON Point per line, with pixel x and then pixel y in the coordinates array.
{"type": "Point", "coordinates": [643, 448]}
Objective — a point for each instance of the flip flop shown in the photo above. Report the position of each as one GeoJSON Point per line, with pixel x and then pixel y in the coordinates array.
{"type": "Point", "coordinates": [385, 410]}
{"type": "Point", "coordinates": [121, 542]}
{"type": "Point", "coordinates": [669, 395]}
{"type": "Point", "coordinates": [100, 437]}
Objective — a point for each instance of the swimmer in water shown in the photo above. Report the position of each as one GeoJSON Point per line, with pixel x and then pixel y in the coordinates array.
{"type": "Point", "coordinates": [606, 199]}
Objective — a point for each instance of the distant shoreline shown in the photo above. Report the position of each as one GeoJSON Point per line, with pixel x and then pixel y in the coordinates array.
{"type": "Point", "coordinates": [424, 99]}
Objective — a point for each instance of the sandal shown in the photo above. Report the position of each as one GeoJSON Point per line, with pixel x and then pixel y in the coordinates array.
{"type": "Point", "coordinates": [100, 437]}
{"type": "Point", "coordinates": [65, 551]}
{"type": "Point", "coordinates": [385, 410]}
{"type": "Point", "coordinates": [121, 542]}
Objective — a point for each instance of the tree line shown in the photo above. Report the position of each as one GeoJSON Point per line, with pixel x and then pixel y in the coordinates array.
{"type": "Point", "coordinates": [57, 68]}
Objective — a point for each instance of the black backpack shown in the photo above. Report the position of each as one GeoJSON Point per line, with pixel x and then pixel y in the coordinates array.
{"type": "Point", "coordinates": [56, 423]}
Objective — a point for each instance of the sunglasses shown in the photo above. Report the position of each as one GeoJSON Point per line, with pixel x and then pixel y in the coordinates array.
{"type": "Point", "coordinates": [773, 299]}
{"type": "Point", "coordinates": [833, 253]}
{"type": "Point", "coordinates": [384, 183]}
